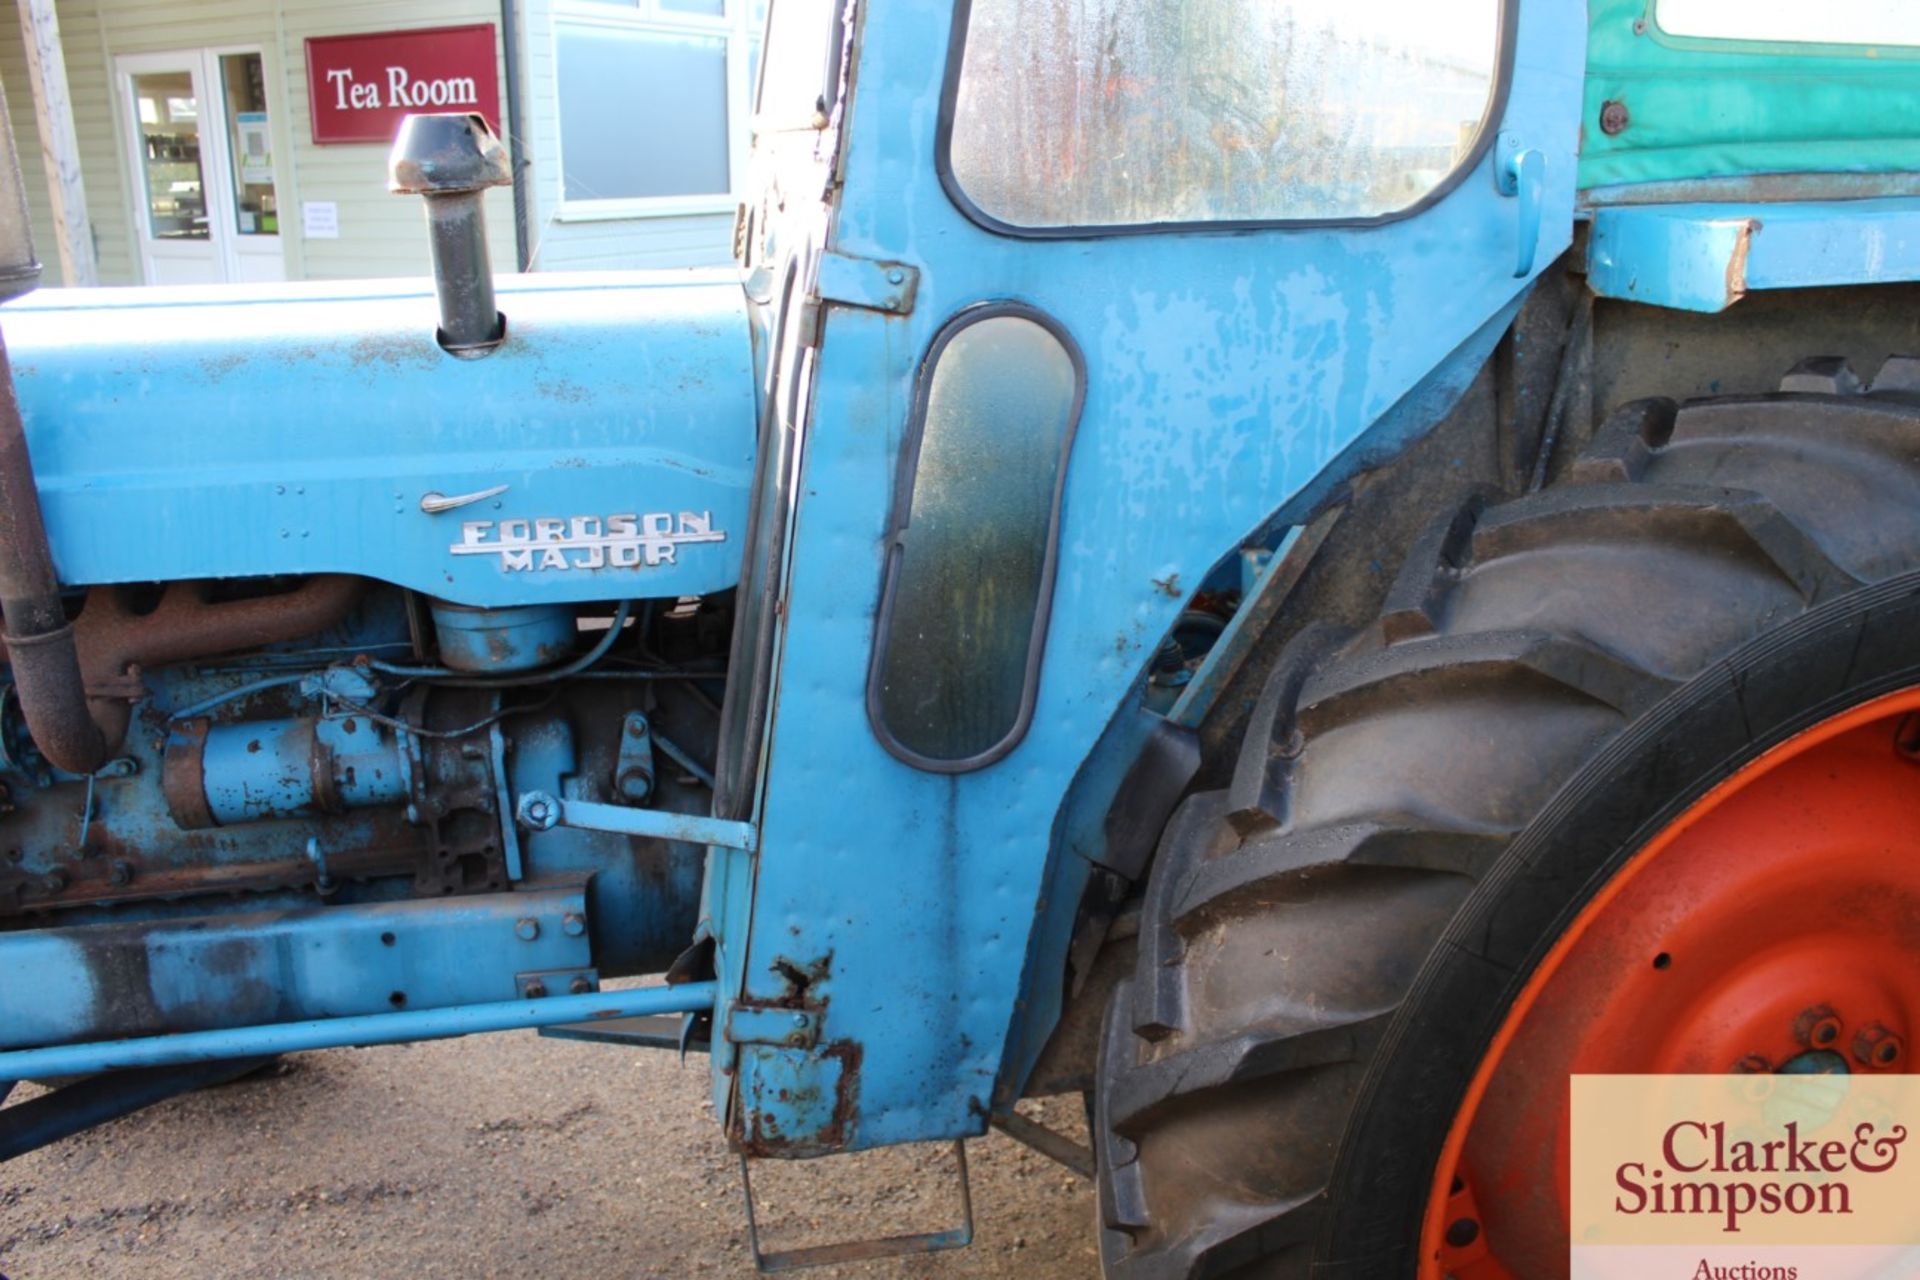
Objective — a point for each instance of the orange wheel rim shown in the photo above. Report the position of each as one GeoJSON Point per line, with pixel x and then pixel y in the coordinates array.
{"type": "Point", "coordinates": [1775, 925]}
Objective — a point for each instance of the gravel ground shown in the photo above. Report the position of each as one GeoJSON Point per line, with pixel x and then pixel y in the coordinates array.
{"type": "Point", "coordinates": [506, 1155]}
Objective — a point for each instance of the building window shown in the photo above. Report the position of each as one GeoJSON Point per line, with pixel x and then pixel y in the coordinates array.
{"type": "Point", "coordinates": [652, 105]}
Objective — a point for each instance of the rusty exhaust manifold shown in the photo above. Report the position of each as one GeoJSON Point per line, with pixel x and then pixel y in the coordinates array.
{"type": "Point", "coordinates": [77, 681]}
{"type": "Point", "coordinates": [78, 715]}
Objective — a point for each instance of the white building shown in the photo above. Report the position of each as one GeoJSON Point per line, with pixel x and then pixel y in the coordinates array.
{"type": "Point", "coordinates": [195, 145]}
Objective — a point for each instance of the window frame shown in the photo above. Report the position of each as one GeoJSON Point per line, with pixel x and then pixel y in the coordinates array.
{"type": "Point", "coordinates": [642, 17]}
{"type": "Point", "coordinates": [1507, 31]}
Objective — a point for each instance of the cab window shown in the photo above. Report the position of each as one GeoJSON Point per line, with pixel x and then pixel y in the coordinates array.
{"type": "Point", "coordinates": [1129, 113]}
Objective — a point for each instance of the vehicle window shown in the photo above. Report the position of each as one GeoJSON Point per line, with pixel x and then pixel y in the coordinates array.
{"type": "Point", "coordinates": [1832, 22]}
{"type": "Point", "coordinates": [963, 613]}
{"type": "Point", "coordinates": [1114, 113]}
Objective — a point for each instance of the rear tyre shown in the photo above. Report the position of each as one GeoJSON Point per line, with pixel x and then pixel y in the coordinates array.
{"type": "Point", "coordinates": [1419, 811]}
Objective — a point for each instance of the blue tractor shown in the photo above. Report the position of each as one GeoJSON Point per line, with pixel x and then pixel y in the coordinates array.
{"type": "Point", "coordinates": [1306, 571]}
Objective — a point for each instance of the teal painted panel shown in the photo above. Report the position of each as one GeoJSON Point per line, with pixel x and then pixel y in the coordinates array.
{"type": "Point", "coordinates": [1713, 108]}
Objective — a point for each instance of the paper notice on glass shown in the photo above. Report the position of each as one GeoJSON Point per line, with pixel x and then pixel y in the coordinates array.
{"type": "Point", "coordinates": [255, 148]}
{"type": "Point", "coordinates": [320, 219]}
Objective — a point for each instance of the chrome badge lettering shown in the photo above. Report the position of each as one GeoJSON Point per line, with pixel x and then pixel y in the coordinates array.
{"type": "Point", "coordinates": [628, 541]}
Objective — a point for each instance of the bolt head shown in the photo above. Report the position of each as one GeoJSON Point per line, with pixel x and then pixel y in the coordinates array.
{"type": "Point", "coordinates": [1817, 1026]}
{"type": "Point", "coordinates": [635, 784]}
{"type": "Point", "coordinates": [1876, 1046]}
{"type": "Point", "coordinates": [636, 725]}
{"type": "Point", "coordinates": [580, 986]}
{"type": "Point", "coordinates": [527, 930]}
{"type": "Point", "coordinates": [1614, 117]}
{"type": "Point", "coordinates": [539, 811]}
{"type": "Point", "coordinates": [573, 924]}
{"type": "Point", "coordinates": [536, 990]}
{"type": "Point", "coordinates": [799, 1019]}
{"type": "Point", "coordinates": [122, 872]}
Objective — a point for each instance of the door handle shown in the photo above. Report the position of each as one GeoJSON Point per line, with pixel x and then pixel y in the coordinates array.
{"type": "Point", "coordinates": [1522, 173]}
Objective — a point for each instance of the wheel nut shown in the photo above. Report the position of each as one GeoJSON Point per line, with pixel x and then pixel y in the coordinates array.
{"type": "Point", "coordinates": [1817, 1026]}
{"type": "Point", "coordinates": [1875, 1046]}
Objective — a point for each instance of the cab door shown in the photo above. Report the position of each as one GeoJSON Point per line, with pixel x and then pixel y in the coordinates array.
{"type": "Point", "coordinates": [1209, 250]}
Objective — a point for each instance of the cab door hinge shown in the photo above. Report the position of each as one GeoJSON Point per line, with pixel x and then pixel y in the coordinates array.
{"type": "Point", "coordinates": [783, 1027]}
{"type": "Point", "coordinates": [867, 284]}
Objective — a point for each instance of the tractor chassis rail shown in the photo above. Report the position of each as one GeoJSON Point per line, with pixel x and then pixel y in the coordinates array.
{"type": "Point", "coordinates": [363, 1029]}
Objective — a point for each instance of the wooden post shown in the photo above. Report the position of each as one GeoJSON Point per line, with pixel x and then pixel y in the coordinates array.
{"type": "Point", "coordinates": [59, 144]}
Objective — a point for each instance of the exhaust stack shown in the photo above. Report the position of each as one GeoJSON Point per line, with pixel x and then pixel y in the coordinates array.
{"type": "Point", "coordinates": [451, 159]}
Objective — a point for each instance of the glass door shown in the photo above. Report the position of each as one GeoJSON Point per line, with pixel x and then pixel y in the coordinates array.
{"type": "Point", "coordinates": [202, 166]}
{"type": "Point", "coordinates": [252, 208]}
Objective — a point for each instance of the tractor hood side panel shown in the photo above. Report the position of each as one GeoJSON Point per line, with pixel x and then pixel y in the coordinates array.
{"type": "Point", "coordinates": [202, 433]}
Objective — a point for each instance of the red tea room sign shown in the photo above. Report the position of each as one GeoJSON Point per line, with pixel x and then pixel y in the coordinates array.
{"type": "Point", "coordinates": [360, 86]}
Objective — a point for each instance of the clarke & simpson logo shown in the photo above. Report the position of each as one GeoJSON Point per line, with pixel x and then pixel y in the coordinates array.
{"type": "Point", "coordinates": [1773, 1177]}
{"type": "Point", "coordinates": [1701, 1172]}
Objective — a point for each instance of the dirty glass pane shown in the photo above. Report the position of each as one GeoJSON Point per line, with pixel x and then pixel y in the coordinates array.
{"type": "Point", "coordinates": [970, 581]}
{"type": "Point", "coordinates": [1125, 112]}
{"type": "Point", "coordinates": [170, 155]}
{"type": "Point", "coordinates": [1830, 22]}
{"type": "Point", "coordinates": [642, 113]}
{"type": "Point", "coordinates": [256, 211]}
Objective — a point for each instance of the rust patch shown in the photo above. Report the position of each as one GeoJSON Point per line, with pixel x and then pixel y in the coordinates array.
{"type": "Point", "coordinates": [762, 1135]}
{"type": "Point", "coordinates": [797, 981]}
{"type": "Point", "coordinates": [1737, 261]}
{"type": "Point", "coordinates": [394, 351]}
{"type": "Point", "coordinates": [218, 367]}
{"type": "Point", "coordinates": [846, 1093]}
{"type": "Point", "coordinates": [115, 639]}
{"type": "Point", "coordinates": [1169, 585]}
